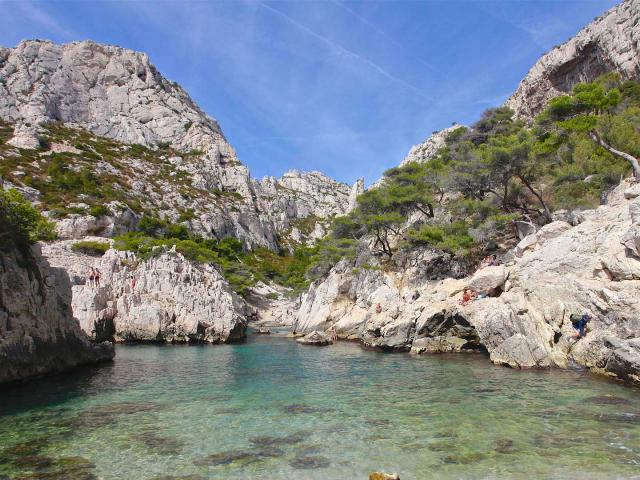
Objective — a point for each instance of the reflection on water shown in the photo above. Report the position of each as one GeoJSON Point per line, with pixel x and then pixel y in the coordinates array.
{"type": "Point", "coordinates": [271, 408]}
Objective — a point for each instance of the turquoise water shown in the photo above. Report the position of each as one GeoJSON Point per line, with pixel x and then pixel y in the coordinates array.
{"type": "Point", "coordinates": [273, 409]}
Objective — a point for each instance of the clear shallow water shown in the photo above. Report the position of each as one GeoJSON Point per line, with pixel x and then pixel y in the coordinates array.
{"type": "Point", "coordinates": [272, 409]}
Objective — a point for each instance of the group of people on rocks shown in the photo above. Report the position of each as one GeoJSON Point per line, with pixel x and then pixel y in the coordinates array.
{"type": "Point", "coordinates": [94, 277]}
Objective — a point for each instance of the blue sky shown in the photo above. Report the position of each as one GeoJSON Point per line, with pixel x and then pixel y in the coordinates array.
{"type": "Point", "coordinates": [337, 86]}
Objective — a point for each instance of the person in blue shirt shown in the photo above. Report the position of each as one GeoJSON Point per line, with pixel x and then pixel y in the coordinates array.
{"type": "Point", "coordinates": [581, 325]}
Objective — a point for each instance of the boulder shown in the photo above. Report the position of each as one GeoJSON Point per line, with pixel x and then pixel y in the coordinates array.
{"type": "Point", "coordinates": [489, 280]}
{"type": "Point", "coordinates": [383, 476]}
{"type": "Point", "coordinates": [315, 338]}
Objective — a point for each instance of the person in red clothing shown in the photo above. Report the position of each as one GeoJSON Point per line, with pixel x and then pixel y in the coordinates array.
{"type": "Point", "coordinates": [467, 296]}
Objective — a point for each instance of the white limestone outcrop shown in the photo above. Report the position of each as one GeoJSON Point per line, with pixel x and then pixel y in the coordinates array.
{"type": "Point", "coordinates": [525, 321]}
{"type": "Point", "coordinates": [610, 43]}
{"type": "Point", "coordinates": [118, 93]}
{"type": "Point", "coordinates": [164, 299]}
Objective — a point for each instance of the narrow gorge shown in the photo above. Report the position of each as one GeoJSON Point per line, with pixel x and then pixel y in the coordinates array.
{"type": "Point", "coordinates": [130, 225]}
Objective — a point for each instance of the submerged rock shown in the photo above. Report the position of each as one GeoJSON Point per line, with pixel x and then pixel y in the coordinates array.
{"type": "Point", "coordinates": [309, 462]}
{"type": "Point", "coordinates": [269, 441]}
{"type": "Point", "coordinates": [228, 457]}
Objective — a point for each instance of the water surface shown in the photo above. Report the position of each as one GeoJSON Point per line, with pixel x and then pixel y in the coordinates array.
{"type": "Point", "coordinates": [273, 409]}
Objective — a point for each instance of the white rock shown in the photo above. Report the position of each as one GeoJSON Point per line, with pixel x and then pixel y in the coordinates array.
{"type": "Point", "coordinates": [609, 43]}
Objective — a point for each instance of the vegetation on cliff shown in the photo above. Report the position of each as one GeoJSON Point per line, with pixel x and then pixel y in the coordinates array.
{"type": "Point", "coordinates": [241, 268]}
{"type": "Point", "coordinates": [501, 170]}
{"type": "Point", "coordinates": [20, 223]}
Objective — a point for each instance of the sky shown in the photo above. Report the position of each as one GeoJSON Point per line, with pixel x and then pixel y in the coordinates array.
{"type": "Point", "coordinates": [343, 87]}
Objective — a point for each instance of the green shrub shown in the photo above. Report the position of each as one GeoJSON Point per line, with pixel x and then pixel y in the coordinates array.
{"type": "Point", "coordinates": [91, 247]}
{"type": "Point", "coordinates": [100, 210]}
{"type": "Point", "coordinates": [20, 223]}
{"type": "Point", "coordinates": [453, 238]}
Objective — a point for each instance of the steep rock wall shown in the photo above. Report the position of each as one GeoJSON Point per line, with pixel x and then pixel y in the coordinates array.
{"type": "Point", "coordinates": [164, 299]}
{"type": "Point", "coordinates": [524, 321]}
{"type": "Point", "coordinates": [38, 334]}
{"type": "Point", "coordinates": [610, 43]}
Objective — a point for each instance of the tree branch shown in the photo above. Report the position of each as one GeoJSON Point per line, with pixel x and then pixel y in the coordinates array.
{"type": "Point", "coordinates": [630, 158]}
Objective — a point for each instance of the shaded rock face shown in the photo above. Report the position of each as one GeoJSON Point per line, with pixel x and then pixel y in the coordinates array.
{"type": "Point", "coordinates": [164, 299]}
{"type": "Point", "coordinates": [117, 93]}
{"type": "Point", "coordinates": [38, 333]}
{"type": "Point", "coordinates": [524, 320]}
{"type": "Point", "coordinates": [610, 43]}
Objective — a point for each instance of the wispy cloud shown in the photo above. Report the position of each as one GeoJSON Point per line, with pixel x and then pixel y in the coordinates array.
{"type": "Point", "coordinates": [383, 34]}
{"type": "Point", "coordinates": [39, 15]}
{"type": "Point", "coordinates": [341, 50]}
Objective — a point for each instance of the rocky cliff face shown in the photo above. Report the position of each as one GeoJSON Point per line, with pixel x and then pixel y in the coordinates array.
{"type": "Point", "coordinates": [38, 333]}
{"type": "Point", "coordinates": [118, 94]}
{"type": "Point", "coordinates": [164, 299]}
{"type": "Point", "coordinates": [610, 43]}
{"type": "Point", "coordinates": [428, 149]}
{"type": "Point", "coordinates": [524, 321]}
{"type": "Point", "coordinates": [302, 204]}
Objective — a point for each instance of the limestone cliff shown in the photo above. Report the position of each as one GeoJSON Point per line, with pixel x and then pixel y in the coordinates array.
{"type": "Point", "coordinates": [38, 333]}
{"type": "Point", "coordinates": [164, 299]}
{"type": "Point", "coordinates": [188, 169]}
{"type": "Point", "coordinates": [428, 149]}
{"type": "Point", "coordinates": [524, 321]}
{"type": "Point", "coordinates": [610, 43]}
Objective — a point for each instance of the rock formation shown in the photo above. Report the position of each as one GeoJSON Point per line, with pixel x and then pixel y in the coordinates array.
{"type": "Point", "coordinates": [38, 333]}
{"type": "Point", "coordinates": [426, 150]}
{"type": "Point", "coordinates": [117, 93]}
{"type": "Point", "coordinates": [523, 321]}
{"type": "Point", "coordinates": [301, 204]}
{"type": "Point", "coordinates": [164, 299]}
{"type": "Point", "coordinates": [610, 43]}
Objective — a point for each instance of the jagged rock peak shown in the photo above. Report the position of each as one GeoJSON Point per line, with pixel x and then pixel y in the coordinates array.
{"type": "Point", "coordinates": [356, 189]}
{"type": "Point", "coordinates": [425, 151]}
{"type": "Point", "coordinates": [111, 91]}
{"type": "Point", "coordinates": [610, 43]}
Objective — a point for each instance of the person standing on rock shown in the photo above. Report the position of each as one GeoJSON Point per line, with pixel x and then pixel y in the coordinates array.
{"type": "Point", "coordinates": [334, 334]}
{"type": "Point", "coordinates": [96, 277]}
{"type": "Point", "coordinates": [91, 276]}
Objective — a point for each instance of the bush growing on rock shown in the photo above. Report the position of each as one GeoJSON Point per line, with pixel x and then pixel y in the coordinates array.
{"type": "Point", "coordinates": [20, 223]}
{"type": "Point", "coordinates": [91, 247]}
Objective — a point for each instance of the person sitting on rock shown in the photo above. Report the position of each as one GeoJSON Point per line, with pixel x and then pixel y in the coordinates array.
{"type": "Point", "coordinates": [468, 295]}
{"type": "Point", "coordinates": [579, 322]}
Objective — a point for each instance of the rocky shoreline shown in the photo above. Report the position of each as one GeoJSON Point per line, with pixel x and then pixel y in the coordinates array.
{"type": "Point", "coordinates": [523, 319]}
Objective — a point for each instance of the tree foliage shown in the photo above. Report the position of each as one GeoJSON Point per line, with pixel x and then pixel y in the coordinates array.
{"type": "Point", "coordinates": [21, 224]}
{"type": "Point", "coordinates": [501, 169]}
